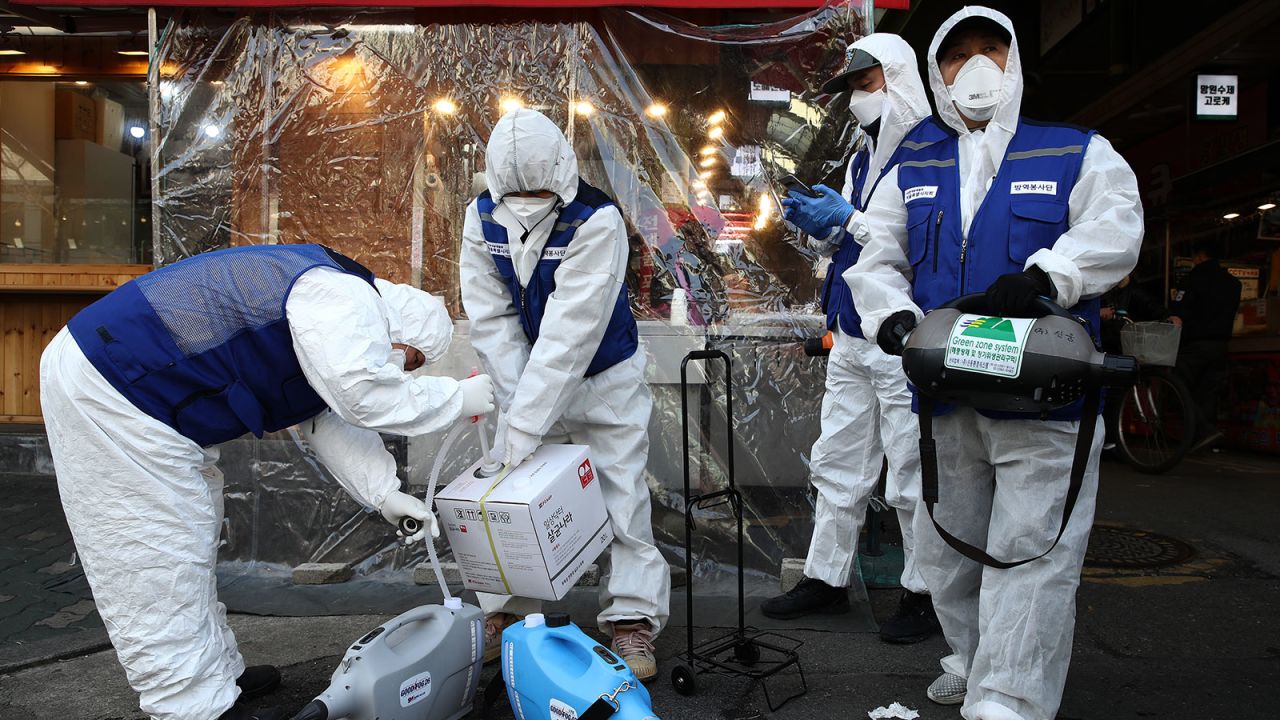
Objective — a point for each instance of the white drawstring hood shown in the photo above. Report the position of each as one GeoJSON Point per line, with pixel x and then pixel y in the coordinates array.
{"type": "Point", "coordinates": [905, 101]}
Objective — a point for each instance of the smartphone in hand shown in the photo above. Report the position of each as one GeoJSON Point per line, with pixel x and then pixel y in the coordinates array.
{"type": "Point", "coordinates": [794, 184]}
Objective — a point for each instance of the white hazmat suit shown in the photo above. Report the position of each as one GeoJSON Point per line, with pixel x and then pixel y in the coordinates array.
{"type": "Point", "coordinates": [145, 504]}
{"type": "Point", "coordinates": [1004, 482]}
{"type": "Point", "coordinates": [866, 411]}
{"type": "Point", "coordinates": [541, 387]}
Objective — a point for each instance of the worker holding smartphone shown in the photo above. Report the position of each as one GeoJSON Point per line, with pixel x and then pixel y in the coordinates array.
{"type": "Point", "coordinates": [866, 411]}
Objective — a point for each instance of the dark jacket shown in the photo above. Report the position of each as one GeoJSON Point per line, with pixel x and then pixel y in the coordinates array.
{"type": "Point", "coordinates": [1207, 301]}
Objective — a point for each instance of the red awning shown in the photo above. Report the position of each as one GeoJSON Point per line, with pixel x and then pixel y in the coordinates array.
{"type": "Point", "coordinates": [744, 4]}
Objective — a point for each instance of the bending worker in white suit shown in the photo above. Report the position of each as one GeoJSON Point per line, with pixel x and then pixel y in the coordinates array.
{"type": "Point", "coordinates": [140, 388]}
{"type": "Point", "coordinates": [544, 259]}
{"type": "Point", "coordinates": [984, 200]}
{"type": "Point", "coordinates": [866, 411]}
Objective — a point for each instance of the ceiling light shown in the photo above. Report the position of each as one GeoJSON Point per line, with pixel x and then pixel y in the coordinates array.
{"type": "Point", "coordinates": [7, 51]}
{"type": "Point", "coordinates": [212, 131]}
{"type": "Point", "coordinates": [136, 132]}
{"type": "Point", "coordinates": [707, 150]}
{"type": "Point", "coordinates": [1231, 216]}
{"type": "Point", "coordinates": [1266, 206]}
{"type": "Point", "coordinates": [217, 82]}
{"type": "Point", "coordinates": [656, 110]}
{"type": "Point", "coordinates": [583, 107]}
{"type": "Point", "coordinates": [445, 106]}
{"type": "Point", "coordinates": [82, 83]}
{"type": "Point", "coordinates": [510, 104]}
{"type": "Point", "coordinates": [707, 162]}
{"type": "Point", "coordinates": [715, 133]}
{"type": "Point", "coordinates": [705, 174]}
{"type": "Point", "coordinates": [133, 53]}
{"type": "Point", "coordinates": [716, 118]}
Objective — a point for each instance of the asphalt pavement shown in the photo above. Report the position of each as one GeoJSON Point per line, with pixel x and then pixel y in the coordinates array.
{"type": "Point", "coordinates": [1197, 638]}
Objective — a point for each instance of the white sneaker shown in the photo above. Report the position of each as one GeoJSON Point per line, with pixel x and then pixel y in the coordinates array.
{"type": "Point", "coordinates": [948, 689]}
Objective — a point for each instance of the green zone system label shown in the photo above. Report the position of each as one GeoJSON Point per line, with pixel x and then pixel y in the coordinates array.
{"type": "Point", "coordinates": [988, 345]}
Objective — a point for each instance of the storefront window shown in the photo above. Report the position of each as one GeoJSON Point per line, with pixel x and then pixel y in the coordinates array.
{"type": "Point", "coordinates": [74, 172]}
{"type": "Point", "coordinates": [367, 133]}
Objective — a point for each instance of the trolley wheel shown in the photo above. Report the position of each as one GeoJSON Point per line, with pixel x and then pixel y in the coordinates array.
{"type": "Point", "coordinates": [684, 680]}
{"type": "Point", "coordinates": [746, 652]}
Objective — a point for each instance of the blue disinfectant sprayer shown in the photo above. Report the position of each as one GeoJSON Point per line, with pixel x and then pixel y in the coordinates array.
{"type": "Point", "coordinates": [553, 671]}
{"type": "Point", "coordinates": [422, 665]}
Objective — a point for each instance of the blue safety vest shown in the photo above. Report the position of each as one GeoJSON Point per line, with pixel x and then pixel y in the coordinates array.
{"type": "Point", "coordinates": [621, 337]}
{"type": "Point", "coordinates": [837, 300]}
{"type": "Point", "coordinates": [1025, 210]}
{"type": "Point", "coordinates": [204, 346]}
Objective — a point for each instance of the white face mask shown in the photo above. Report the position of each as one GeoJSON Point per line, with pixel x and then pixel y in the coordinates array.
{"type": "Point", "coordinates": [529, 210]}
{"type": "Point", "coordinates": [397, 358]}
{"type": "Point", "coordinates": [976, 90]}
{"type": "Point", "coordinates": [867, 107]}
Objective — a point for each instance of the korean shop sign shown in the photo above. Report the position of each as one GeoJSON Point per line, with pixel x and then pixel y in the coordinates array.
{"type": "Point", "coordinates": [1217, 97]}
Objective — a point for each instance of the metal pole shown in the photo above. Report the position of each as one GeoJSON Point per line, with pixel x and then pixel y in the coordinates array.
{"type": "Point", "coordinates": [869, 15]}
{"type": "Point", "coordinates": [153, 100]}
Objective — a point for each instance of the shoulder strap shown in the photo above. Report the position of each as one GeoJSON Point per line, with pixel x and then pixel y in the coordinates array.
{"type": "Point", "coordinates": [929, 479]}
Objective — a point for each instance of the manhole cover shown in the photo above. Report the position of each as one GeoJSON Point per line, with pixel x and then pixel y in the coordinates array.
{"type": "Point", "coordinates": [1124, 548]}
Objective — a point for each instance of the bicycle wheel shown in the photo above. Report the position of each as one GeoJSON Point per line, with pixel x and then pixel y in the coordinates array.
{"type": "Point", "coordinates": [1155, 422]}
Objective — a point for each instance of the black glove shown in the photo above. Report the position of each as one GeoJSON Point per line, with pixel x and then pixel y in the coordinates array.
{"type": "Point", "coordinates": [1014, 294]}
{"type": "Point", "coordinates": [893, 331]}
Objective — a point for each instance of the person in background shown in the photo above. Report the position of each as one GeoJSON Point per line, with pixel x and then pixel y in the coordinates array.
{"type": "Point", "coordinates": [866, 411]}
{"type": "Point", "coordinates": [1205, 305]}
{"type": "Point", "coordinates": [983, 200]}
{"type": "Point", "coordinates": [143, 385]}
{"type": "Point", "coordinates": [543, 270]}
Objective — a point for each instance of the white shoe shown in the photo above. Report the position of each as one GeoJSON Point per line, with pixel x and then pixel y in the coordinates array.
{"type": "Point", "coordinates": [948, 689]}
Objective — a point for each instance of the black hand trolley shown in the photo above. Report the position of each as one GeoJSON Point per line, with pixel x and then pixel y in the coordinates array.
{"type": "Point", "coordinates": [745, 651]}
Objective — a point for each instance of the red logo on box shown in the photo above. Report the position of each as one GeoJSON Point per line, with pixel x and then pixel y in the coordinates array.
{"type": "Point", "coordinates": [585, 473]}
{"type": "Point", "coordinates": [462, 528]}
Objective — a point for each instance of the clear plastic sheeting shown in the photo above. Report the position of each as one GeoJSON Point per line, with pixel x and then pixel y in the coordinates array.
{"type": "Point", "coordinates": [366, 132]}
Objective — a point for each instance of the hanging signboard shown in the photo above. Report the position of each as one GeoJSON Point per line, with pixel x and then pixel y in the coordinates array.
{"type": "Point", "coordinates": [1217, 97]}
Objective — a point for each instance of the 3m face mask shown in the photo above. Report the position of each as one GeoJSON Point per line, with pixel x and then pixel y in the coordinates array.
{"type": "Point", "coordinates": [867, 107]}
{"type": "Point", "coordinates": [976, 90]}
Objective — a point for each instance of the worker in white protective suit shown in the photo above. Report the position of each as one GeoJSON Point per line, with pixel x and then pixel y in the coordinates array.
{"type": "Point", "coordinates": [866, 411]}
{"type": "Point", "coordinates": [141, 387]}
{"type": "Point", "coordinates": [543, 269]}
{"type": "Point", "coordinates": [983, 200]}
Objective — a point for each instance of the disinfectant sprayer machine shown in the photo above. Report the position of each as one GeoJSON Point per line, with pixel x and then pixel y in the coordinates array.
{"type": "Point", "coordinates": [959, 354]}
{"type": "Point", "coordinates": [551, 670]}
{"type": "Point", "coordinates": [422, 665]}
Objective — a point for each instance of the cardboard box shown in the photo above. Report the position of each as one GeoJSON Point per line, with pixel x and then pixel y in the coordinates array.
{"type": "Point", "coordinates": [539, 529]}
{"type": "Point", "coordinates": [75, 117]}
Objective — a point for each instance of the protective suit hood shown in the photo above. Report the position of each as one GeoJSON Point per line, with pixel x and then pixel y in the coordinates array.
{"type": "Point", "coordinates": [416, 318]}
{"type": "Point", "coordinates": [1010, 104]}
{"type": "Point", "coordinates": [528, 152]}
{"type": "Point", "coordinates": [906, 103]}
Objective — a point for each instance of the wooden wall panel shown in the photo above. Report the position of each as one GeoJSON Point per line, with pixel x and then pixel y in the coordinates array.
{"type": "Point", "coordinates": [36, 301]}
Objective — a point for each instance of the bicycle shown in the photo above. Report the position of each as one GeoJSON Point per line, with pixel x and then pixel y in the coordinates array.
{"type": "Point", "coordinates": [1153, 422]}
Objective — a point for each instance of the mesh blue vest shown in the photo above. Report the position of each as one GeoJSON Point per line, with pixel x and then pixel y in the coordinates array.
{"type": "Point", "coordinates": [203, 345]}
{"type": "Point", "coordinates": [621, 337]}
{"type": "Point", "coordinates": [1025, 210]}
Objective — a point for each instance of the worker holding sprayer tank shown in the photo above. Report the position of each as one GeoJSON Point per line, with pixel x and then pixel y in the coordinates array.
{"type": "Point", "coordinates": [983, 200]}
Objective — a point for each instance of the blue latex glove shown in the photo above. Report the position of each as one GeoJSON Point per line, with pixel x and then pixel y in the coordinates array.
{"type": "Point", "coordinates": [817, 216]}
